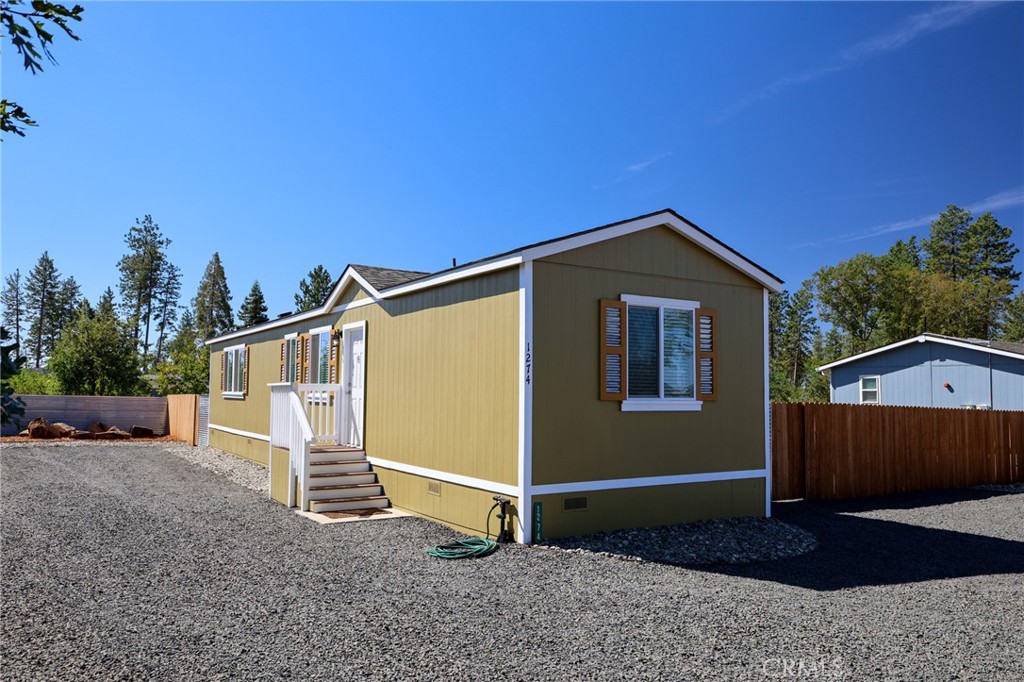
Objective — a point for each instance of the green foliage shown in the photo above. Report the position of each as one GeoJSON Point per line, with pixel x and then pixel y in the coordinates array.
{"type": "Point", "coordinates": [35, 382]}
{"type": "Point", "coordinates": [965, 249]}
{"type": "Point", "coordinates": [149, 283]}
{"type": "Point", "coordinates": [793, 329]}
{"type": "Point", "coordinates": [188, 368]}
{"type": "Point", "coordinates": [45, 297]}
{"type": "Point", "coordinates": [851, 296]}
{"type": "Point", "coordinates": [254, 307]}
{"type": "Point", "coordinates": [31, 33]}
{"type": "Point", "coordinates": [314, 292]}
{"type": "Point", "coordinates": [96, 356]}
{"type": "Point", "coordinates": [11, 408]}
{"type": "Point", "coordinates": [13, 300]}
{"type": "Point", "coordinates": [1013, 324]}
{"type": "Point", "coordinates": [212, 304]}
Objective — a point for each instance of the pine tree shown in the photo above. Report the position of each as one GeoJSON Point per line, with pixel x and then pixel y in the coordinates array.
{"type": "Point", "coordinates": [314, 292]}
{"type": "Point", "coordinates": [166, 295]}
{"type": "Point", "coordinates": [212, 304]}
{"type": "Point", "coordinates": [799, 331]}
{"type": "Point", "coordinates": [142, 270]}
{"type": "Point", "coordinates": [13, 300]}
{"type": "Point", "coordinates": [254, 307]}
{"type": "Point", "coordinates": [67, 306]}
{"type": "Point", "coordinates": [947, 248]}
{"type": "Point", "coordinates": [1013, 324]}
{"type": "Point", "coordinates": [42, 290]}
{"type": "Point", "coordinates": [992, 250]}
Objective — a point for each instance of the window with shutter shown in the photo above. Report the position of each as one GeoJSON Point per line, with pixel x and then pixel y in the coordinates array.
{"type": "Point", "coordinates": [707, 355]}
{"type": "Point", "coordinates": [245, 371]}
{"type": "Point", "coordinates": [613, 350]}
{"type": "Point", "coordinates": [284, 361]}
{"type": "Point", "coordinates": [657, 353]}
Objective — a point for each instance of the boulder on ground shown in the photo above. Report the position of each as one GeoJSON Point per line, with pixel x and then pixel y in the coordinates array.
{"type": "Point", "coordinates": [62, 430]}
{"type": "Point", "coordinates": [81, 435]}
{"type": "Point", "coordinates": [23, 434]}
{"type": "Point", "coordinates": [97, 427]}
{"type": "Point", "coordinates": [40, 428]}
{"type": "Point", "coordinates": [142, 432]}
{"type": "Point", "coordinates": [113, 433]}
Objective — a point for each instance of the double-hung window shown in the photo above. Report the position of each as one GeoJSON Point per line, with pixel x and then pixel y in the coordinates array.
{"type": "Point", "coordinates": [234, 371]}
{"type": "Point", "coordinates": [657, 354]}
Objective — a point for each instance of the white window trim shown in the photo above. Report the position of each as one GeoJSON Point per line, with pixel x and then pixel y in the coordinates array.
{"type": "Point", "coordinates": [877, 389]}
{"type": "Point", "coordinates": [661, 404]}
{"type": "Point", "coordinates": [235, 394]}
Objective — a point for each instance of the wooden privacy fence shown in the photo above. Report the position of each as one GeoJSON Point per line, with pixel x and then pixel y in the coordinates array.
{"type": "Point", "coordinates": [833, 452]}
{"type": "Point", "coordinates": [80, 410]}
{"type": "Point", "coordinates": [183, 417]}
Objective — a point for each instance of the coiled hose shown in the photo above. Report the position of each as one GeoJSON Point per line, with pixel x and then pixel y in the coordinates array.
{"type": "Point", "coordinates": [469, 548]}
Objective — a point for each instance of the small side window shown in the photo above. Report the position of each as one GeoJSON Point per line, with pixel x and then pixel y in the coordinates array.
{"type": "Point", "coordinates": [869, 390]}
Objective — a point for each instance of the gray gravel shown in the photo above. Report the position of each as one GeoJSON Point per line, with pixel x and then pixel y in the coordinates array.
{"type": "Point", "coordinates": [131, 563]}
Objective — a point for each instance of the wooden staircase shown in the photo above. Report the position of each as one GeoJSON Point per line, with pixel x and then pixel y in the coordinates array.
{"type": "Point", "coordinates": [340, 479]}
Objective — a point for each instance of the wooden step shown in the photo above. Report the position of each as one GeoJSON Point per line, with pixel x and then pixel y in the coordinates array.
{"type": "Point", "coordinates": [339, 467]}
{"type": "Point", "coordinates": [342, 478]}
{"type": "Point", "coordinates": [337, 492]}
{"type": "Point", "coordinates": [350, 503]}
{"type": "Point", "coordinates": [333, 455]}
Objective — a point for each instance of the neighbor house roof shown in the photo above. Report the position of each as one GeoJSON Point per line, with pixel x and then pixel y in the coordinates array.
{"type": "Point", "coordinates": [1004, 348]}
{"type": "Point", "coordinates": [382, 283]}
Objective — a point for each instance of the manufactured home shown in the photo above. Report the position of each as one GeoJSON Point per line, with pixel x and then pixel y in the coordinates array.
{"type": "Point", "coordinates": [933, 370]}
{"type": "Point", "coordinates": [611, 378]}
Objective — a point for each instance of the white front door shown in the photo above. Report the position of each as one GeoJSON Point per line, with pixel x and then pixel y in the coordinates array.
{"type": "Point", "coordinates": [353, 383]}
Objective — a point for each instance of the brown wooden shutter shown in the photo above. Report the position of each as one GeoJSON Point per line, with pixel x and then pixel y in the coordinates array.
{"type": "Point", "coordinates": [245, 372]}
{"type": "Point", "coordinates": [707, 354]}
{"type": "Point", "coordinates": [223, 371]}
{"type": "Point", "coordinates": [284, 361]}
{"type": "Point", "coordinates": [613, 350]}
{"type": "Point", "coordinates": [303, 358]}
{"type": "Point", "coordinates": [334, 357]}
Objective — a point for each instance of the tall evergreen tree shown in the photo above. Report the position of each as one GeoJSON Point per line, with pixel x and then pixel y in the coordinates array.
{"type": "Point", "coordinates": [312, 293]}
{"type": "Point", "coordinates": [142, 270]}
{"type": "Point", "coordinates": [13, 300]}
{"type": "Point", "coordinates": [800, 329]}
{"type": "Point", "coordinates": [254, 307]}
{"type": "Point", "coordinates": [212, 303]}
{"type": "Point", "coordinates": [947, 248]}
{"type": "Point", "coordinates": [42, 291]}
{"type": "Point", "coordinates": [992, 250]}
{"type": "Point", "coordinates": [68, 298]}
{"type": "Point", "coordinates": [165, 312]}
{"type": "Point", "coordinates": [1013, 325]}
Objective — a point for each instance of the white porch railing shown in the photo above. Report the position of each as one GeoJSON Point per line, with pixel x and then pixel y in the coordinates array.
{"type": "Point", "coordinates": [322, 405]}
{"type": "Point", "coordinates": [290, 428]}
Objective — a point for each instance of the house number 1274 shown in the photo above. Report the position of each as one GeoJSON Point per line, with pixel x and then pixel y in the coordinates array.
{"type": "Point", "coordinates": [529, 361]}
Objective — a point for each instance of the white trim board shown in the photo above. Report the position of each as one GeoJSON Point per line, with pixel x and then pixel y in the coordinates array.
{"type": "Point", "coordinates": [924, 338]}
{"type": "Point", "coordinates": [646, 482]}
{"type": "Point", "coordinates": [458, 479]}
{"type": "Point", "coordinates": [767, 416]}
{"type": "Point", "coordinates": [240, 432]}
{"type": "Point", "coordinates": [525, 422]}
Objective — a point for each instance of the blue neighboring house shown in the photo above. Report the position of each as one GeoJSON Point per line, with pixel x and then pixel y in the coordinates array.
{"type": "Point", "coordinates": [932, 370]}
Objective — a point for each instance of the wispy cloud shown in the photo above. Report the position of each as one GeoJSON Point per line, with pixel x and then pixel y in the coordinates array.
{"type": "Point", "coordinates": [1005, 199]}
{"type": "Point", "coordinates": [637, 167]}
{"type": "Point", "coordinates": [633, 170]}
{"type": "Point", "coordinates": [943, 16]}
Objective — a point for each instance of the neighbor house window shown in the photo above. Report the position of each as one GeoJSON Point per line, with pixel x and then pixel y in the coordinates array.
{"type": "Point", "coordinates": [869, 393]}
{"type": "Point", "coordinates": [657, 353]}
{"type": "Point", "coordinates": [234, 371]}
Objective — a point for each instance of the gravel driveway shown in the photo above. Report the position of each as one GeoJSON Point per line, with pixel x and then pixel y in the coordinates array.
{"type": "Point", "coordinates": [128, 562]}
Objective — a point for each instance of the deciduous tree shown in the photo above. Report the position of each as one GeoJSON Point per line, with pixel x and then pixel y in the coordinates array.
{"type": "Point", "coordinates": [187, 369]}
{"type": "Point", "coordinates": [97, 356]}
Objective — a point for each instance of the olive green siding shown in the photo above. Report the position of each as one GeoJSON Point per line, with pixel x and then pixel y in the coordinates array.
{"type": "Point", "coordinates": [441, 373]}
{"type": "Point", "coordinates": [458, 506]}
{"type": "Point", "coordinates": [441, 390]}
{"type": "Point", "coordinates": [249, 448]}
{"type": "Point", "coordinates": [652, 506]}
{"type": "Point", "coordinates": [578, 437]}
{"type": "Point", "coordinates": [279, 480]}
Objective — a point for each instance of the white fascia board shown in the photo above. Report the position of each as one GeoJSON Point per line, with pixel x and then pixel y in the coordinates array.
{"type": "Point", "coordinates": [326, 309]}
{"type": "Point", "coordinates": [451, 276]}
{"type": "Point", "coordinates": [669, 220]}
{"type": "Point", "coordinates": [240, 432]}
{"type": "Point", "coordinates": [923, 338]}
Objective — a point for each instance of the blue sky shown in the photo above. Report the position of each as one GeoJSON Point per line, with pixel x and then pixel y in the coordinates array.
{"type": "Point", "coordinates": [284, 135]}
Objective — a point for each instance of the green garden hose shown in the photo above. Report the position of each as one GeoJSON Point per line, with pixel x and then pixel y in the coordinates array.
{"type": "Point", "coordinates": [464, 549]}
